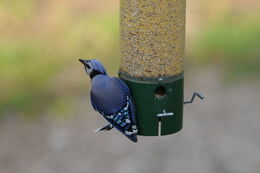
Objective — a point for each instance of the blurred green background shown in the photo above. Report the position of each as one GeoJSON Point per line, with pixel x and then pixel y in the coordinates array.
{"type": "Point", "coordinates": [41, 81]}
{"type": "Point", "coordinates": [41, 41]}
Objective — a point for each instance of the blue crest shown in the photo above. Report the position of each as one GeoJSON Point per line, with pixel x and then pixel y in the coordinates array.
{"type": "Point", "coordinates": [97, 65]}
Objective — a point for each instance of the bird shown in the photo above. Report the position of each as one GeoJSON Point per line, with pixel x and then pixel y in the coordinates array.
{"type": "Point", "coordinates": [111, 97]}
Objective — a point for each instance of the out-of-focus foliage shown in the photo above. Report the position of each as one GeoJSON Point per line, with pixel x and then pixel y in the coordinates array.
{"type": "Point", "coordinates": [232, 44]}
{"type": "Point", "coordinates": [41, 41]}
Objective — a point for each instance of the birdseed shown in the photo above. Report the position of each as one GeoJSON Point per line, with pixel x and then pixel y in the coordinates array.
{"type": "Point", "coordinates": [152, 37]}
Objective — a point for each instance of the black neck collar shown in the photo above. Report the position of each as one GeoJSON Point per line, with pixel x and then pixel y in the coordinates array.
{"type": "Point", "coordinates": [94, 73]}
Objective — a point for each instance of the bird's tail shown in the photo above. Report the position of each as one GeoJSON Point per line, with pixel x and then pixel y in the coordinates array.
{"type": "Point", "coordinates": [131, 133]}
{"type": "Point", "coordinates": [133, 137]}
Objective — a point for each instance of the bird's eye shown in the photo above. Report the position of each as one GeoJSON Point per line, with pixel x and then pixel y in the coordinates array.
{"type": "Point", "coordinates": [88, 66]}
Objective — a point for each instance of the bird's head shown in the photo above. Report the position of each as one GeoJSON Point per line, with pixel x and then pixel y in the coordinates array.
{"type": "Point", "coordinates": [93, 67]}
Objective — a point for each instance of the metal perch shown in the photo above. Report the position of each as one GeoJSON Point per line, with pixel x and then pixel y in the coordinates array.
{"type": "Point", "coordinates": [193, 97]}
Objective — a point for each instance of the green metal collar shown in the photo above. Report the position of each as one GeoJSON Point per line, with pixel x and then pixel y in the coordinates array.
{"type": "Point", "coordinates": [163, 79]}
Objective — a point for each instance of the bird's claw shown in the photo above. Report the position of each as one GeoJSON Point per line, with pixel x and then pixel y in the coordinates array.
{"type": "Point", "coordinates": [105, 128]}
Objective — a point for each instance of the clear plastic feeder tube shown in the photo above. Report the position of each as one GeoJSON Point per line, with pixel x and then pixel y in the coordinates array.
{"type": "Point", "coordinates": [152, 37]}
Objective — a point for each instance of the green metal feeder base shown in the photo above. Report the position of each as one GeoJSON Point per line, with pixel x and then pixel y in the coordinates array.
{"type": "Point", "coordinates": [158, 102]}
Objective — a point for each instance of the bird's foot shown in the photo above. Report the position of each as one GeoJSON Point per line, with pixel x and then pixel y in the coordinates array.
{"type": "Point", "coordinates": [105, 128]}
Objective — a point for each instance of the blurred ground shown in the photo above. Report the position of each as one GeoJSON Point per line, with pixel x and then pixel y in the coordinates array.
{"type": "Point", "coordinates": [221, 134]}
{"type": "Point", "coordinates": [47, 123]}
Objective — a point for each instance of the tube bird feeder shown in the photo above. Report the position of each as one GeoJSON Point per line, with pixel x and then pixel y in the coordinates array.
{"type": "Point", "coordinates": [152, 51]}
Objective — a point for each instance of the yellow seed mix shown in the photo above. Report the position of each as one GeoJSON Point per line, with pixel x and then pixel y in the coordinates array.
{"type": "Point", "coordinates": [152, 37]}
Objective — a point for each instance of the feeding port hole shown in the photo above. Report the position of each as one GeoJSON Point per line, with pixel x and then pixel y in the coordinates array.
{"type": "Point", "coordinates": [160, 92]}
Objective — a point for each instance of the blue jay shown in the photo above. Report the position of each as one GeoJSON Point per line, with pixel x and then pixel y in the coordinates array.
{"type": "Point", "coordinates": [110, 96]}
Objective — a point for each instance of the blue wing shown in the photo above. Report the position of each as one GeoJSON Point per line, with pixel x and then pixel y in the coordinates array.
{"type": "Point", "coordinates": [127, 92]}
{"type": "Point", "coordinates": [107, 94]}
{"type": "Point", "coordinates": [118, 108]}
{"type": "Point", "coordinates": [121, 120]}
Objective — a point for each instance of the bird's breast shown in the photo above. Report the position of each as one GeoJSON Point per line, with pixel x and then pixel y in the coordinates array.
{"type": "Point", "coordinates": [107, 94]}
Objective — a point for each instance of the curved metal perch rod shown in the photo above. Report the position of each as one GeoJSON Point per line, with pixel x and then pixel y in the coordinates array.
{"type": "Point", "coordinates": [193, 97]}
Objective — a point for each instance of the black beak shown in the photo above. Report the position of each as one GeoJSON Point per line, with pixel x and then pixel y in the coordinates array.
{"type": "Point", "coordinates": [82, 61]}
